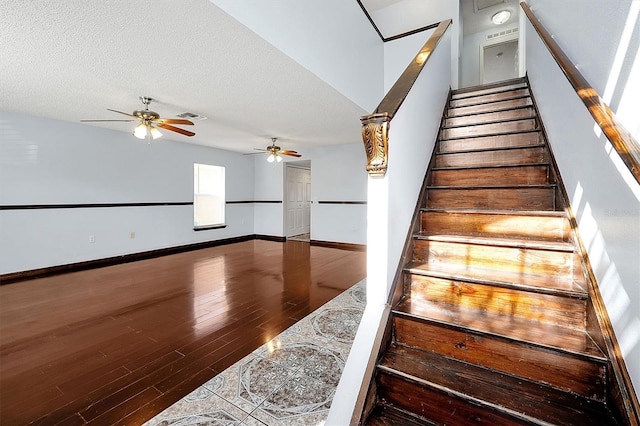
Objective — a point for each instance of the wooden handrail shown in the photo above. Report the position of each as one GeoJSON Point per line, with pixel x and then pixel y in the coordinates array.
{"type": "Point", "coordinates": [375, 126]}
{"type": "Point", "coordinates": [622, 141]}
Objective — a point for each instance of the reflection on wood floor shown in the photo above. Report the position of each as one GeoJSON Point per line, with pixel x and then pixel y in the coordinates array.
{"type": "Point", "coordinates": [290, 380]}
{"type": "Point", "coordinates": [122, 343]}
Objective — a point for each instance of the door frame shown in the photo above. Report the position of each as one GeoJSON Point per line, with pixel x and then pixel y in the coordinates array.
{"type": "Point", "coordinates": [501, 40]}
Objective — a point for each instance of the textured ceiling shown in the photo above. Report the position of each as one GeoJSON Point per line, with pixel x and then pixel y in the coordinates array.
{"type": "Point", "coordinates": [73, 59]}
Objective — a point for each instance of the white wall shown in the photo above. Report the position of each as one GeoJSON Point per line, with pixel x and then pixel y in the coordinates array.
{"type": "Point", "coordinates": [398, 54]}
{"type": "Point", "coordinates": [337, 174]}
{"type": "Point", "coordinates": [268, 186]}
{"type": "Point", "coordinates": [604, 196]}
{"type": "Point", "coordinates": [331, 38]}
{"type": "Point", "coordinates": [423, 13]}
{"type": "Point", "coordinates": [44, 161]}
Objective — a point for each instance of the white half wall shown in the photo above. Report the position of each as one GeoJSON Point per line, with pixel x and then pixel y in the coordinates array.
{"type": "Point", "coordinates": [331, 38]}
{"type": "Point", "coordinates": [412, 137]}
{"type": "Point", "coordinates": [604, 196]}
{"type": "Point", "coordinates": [390, 207]}
{"type": "Point", "coordinates": [44, 161]}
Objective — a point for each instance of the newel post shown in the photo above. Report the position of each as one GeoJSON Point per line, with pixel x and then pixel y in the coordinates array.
{"type": "Point", "coordinates": [375, 130]}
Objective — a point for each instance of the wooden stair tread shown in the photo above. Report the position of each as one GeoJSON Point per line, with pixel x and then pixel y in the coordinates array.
{"type": "Point", "coordinates": [460, 112]}
{"type": "Point", "coordinates": [489, 129]}
{"type": "Point", "coordinates": [505, 105]}
{"type": "Point", "coordinates": [527, 400]}
{"type": "Point", "coordinates": [488, 166]}
{"type": "Point", "coordinates": [571, 341]}
{"type": "Point", "coordinates": [529, 116]}
{"type": "Point", "coordinates": [499, 85]}
{"type": "Point", "coordinates": [542, 213]}
{"type": "Point", "coordinates": [480, 91]}
{"type": "Point", "coordinates": [497, 241]}
{"type": "Point", "coordinates": [484, 135]}
{"type": "Point", "coordinates": [539, 283]}
{"type": "Point", "coordinates": [385, 415]}
{"type": "Point", "coordinates": [489, 97]}
{"type": "Point", "coordinates": [536, 225]}
{"type": "Point", "coordinates": [544, 185]}
{"type": "Point", "coordinates": [489, 149]}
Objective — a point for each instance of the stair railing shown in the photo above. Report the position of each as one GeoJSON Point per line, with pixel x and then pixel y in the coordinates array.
{"type": "Point", "coordinates": [375, 126]}
{"type": "Point", "coordinates": [623, 142]}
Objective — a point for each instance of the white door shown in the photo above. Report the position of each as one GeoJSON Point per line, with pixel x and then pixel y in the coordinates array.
{"type": "Point", "coordinates": [298, 202]}
{"type": "Point", "coordinates": [499, 61]}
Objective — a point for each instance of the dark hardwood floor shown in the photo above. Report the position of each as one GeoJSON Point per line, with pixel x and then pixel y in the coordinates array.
{"type": "Point", "coordinates": [119, 344]}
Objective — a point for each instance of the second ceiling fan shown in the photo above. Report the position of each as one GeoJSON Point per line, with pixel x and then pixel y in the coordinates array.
{"type": "Point", "coordinates": [275, 152]}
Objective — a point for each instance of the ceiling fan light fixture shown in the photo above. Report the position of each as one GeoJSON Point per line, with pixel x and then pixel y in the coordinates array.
{"type": "Point", "coordinates": [271, 158]}
{"type": "Point", "coordinates": [278, 158]}
{"type": "Point", "coordinates": [501, 17]}
{"type": "Point", "coordinates": [155, 133]}
{"type": "Point", "coordinates": [140, 131]}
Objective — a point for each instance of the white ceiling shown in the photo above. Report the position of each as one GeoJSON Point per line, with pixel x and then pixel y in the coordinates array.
{"type": "Point", "coordinates": [73, 59]}
{"type": "Point", "coordinates": [476, 14]}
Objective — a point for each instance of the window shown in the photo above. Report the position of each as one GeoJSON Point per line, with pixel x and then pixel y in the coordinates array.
{"type": "Point", "coordinates": [208, 196]}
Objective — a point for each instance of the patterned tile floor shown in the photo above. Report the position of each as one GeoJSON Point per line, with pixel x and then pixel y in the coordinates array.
{"type": "Point", "coordinates": [290, 380]}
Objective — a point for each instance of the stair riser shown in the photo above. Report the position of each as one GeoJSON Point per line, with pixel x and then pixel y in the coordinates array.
{"type": "Point", "coordinates": [489, 142]}
{"type": "Point", "coordinates": [494, 106]}
{"type": "Point", "coordinates": [496, 225]}
{"type": "Point", "coordinates": [474, 100]}
{"type": "Point", "coordinates": [546, 308]}
{"type": "Point", "coordinates": [520, 113]}
{"type": "Point", "coordinates": [557, 369]}
{"type": "Point", "coordinates": [521, 260]}
{"type": "Point", "coordinates": [517, 175]}
{"type": "Point", "coordinates": [460, 94]}
{"type": "Point", "coordinates": [488, 129]}
{"type": "Point", "coordinates": [507, 157]}
{"type": "Point", "coordinates": [438, 406]}
{"type": "Point", "coordinates": [492, 198]}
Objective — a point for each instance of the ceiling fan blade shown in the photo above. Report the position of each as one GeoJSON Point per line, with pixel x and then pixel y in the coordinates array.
{"type": "Point", "coordinates": [175, 129]}
{"type": "Point", "coordinates": [254, 153]}
{"type": "Point", "coordinates": [260, 149]}
{"type": "Point", "coordinates": [290, 153]}
{"type": "Point", "coordinates": [95, 121]}
{"type": "Point", "coordinates": [123, 113]}
{"type": "Point", "coordinates": [173, 121]}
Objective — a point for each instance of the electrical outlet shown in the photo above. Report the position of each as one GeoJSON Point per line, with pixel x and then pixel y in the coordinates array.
{"type": "Point", "coordinates": [92, 238]}
{"type": "Point", "coordinates": [132, 234]}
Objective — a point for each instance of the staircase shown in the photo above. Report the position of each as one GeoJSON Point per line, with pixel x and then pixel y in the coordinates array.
{"type": "Point", "coordinates": [491, 328]}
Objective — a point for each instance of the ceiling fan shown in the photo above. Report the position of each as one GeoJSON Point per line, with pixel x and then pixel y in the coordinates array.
{"type": "Point", "coordinates": [149, 121]}
{"type": "Point", "coordinates": [275, 152]}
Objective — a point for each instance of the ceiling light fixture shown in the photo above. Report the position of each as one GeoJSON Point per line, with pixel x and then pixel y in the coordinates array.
{"type": "Point", "coordinates": [501, 17]}
{"type": "Point", "coordinates": [145, 129]}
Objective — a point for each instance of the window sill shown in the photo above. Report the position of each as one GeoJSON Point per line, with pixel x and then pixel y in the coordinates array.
{"type": "Point", "coordinates": [207, 227]}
